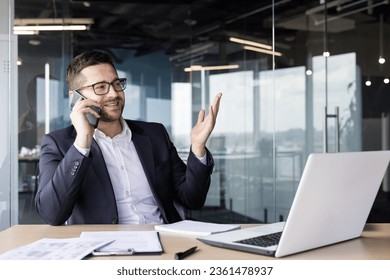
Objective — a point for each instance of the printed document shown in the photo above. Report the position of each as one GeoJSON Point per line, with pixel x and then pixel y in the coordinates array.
{"type": "Point", "coordinates": [54, 249]}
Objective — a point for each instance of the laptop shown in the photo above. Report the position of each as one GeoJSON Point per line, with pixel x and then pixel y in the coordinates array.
{"type": "Point", "coordinates": [332, 203]}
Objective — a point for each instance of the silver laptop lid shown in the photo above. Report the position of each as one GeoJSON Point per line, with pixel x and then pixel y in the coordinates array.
{"type": "Point", "coordinates": [333, 199]}
{"type": "Point", "coordinates": [332, 203]}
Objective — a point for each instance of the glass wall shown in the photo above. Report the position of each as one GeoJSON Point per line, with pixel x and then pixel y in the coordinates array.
{"type": "Point", "coordinates": [8, 116]}
{"type": "Point", "coordinates": [43, 103]}
{"type": "Point", "coordinates": [293, 76]}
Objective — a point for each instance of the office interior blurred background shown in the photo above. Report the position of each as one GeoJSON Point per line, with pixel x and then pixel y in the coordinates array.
{"type": "Point", "coordinates": [297, 76]}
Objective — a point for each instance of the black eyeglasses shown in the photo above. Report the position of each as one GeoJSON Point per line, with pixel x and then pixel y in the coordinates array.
{"type": "Point", "coordinates": [103, 88]}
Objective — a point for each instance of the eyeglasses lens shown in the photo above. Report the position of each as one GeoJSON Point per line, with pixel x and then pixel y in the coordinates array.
{"type": "Point", "coordinates": [104, 88]}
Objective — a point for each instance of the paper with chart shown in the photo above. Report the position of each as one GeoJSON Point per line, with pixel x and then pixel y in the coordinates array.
{"type": "Point", "coordinates": [54, 249]}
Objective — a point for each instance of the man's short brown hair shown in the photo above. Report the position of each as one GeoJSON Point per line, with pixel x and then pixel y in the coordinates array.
{"type": "Point", "coordinates": [90, 58]}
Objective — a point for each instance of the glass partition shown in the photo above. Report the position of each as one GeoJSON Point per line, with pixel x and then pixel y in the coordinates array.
{"type": "Point", "coordinates": [8, 116]}
{"type": "Point", "coordinates": [294, 77]}
{"type": "Point", "coordinates": [43, 102]}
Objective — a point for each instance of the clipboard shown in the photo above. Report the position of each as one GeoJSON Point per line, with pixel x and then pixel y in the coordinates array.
{"type": "Point", "coordinates": [126, 243]}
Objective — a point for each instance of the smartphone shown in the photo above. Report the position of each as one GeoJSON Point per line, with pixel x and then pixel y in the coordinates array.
{"type": "Point", "coordinates": [94, 121]}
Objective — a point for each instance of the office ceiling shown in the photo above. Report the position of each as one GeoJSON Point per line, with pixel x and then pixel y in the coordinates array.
{"type": "Point", "coordinates": [179, 27]}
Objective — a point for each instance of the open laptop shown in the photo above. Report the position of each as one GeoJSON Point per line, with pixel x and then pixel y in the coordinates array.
{"type": "Point", "coordinates": [332, 203]}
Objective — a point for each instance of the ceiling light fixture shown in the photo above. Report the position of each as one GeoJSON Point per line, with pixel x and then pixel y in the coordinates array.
{"type": "Point", "coordinates": [250, 43]}
{"type": "Point", "coordinates": [25, 32]}
{"type": "Point", "coordinates": [255, 46]}
{"type": "Point", "coordinates": [332, 4]}
{"type": "Point", "coordinates": [53, 21]}
{"type": "Point", "coordinates": [34, 42]}
{"type": "Point", "coordinates": [210, 68]}
{"type": "Point", "coordinates": [262, 51]}
{"type": "Point", "coordinates": [49, 27]}
{"type": "Point", "coordinates": [381, 59]}
{"type": "Point", "coordinates": [31, 26]}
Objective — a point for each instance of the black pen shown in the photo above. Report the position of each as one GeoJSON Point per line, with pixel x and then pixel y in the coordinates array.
{"type": "Point", "coordinates": [182, 255]}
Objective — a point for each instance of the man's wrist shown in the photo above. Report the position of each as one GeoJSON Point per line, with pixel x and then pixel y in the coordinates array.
{"type": "Point", "coordinates": [83, 151]}
{"type": "Point", "coordinates": [199, 152]}
{"type": "Point", "coordinates": [202, 159]}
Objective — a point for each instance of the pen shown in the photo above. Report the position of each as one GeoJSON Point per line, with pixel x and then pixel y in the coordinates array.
{"type": "Point", "coordinates": [182, 255]}
{"type": "Point", "coordinates": [129, 252]}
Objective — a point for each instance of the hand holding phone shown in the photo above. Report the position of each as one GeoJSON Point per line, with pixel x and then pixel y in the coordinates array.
{"type": "Point", "coordinates": [94, 121]}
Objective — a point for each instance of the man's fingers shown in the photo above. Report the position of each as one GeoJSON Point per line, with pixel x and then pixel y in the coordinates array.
{"type": "Point", "coordinates": [201, 116]}
{"type": "Point", "coordinates": [216, 102]}
{"type": "Point", "coordinates": [213, 110]}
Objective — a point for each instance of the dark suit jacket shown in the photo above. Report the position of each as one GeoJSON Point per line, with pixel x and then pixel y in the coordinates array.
{"type": "Point", "coordinates": [78, 189]}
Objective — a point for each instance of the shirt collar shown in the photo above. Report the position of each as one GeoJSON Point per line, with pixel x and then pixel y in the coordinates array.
{"type": "Point", "coordinates": [126, 132]}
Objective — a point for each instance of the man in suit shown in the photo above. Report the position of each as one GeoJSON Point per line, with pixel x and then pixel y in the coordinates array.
{"type": "Point", "coordinates": [123, 171]}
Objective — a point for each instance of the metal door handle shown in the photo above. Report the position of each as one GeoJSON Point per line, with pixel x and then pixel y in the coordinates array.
{"type": "Point", "coordinates": [337, 129]}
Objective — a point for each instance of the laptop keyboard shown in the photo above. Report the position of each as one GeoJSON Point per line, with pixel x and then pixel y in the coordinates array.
{"type": "Point", "coordinates": [263, 240]}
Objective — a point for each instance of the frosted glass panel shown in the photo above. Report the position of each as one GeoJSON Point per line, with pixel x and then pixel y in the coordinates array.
{"type": "Point", "coordinates": [8, 126]}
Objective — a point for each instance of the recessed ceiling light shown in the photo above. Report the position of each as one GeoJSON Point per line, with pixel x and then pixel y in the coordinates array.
{"type": "Point", "coordinates": [34, 42]}
{"type": "Point", "coordinates": [190, 22]}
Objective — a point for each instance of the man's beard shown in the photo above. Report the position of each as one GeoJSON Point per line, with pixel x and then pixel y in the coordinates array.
{"type": "Point", "coordinates": [105, 117]}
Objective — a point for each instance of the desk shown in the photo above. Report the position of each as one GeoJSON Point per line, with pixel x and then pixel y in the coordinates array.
{"type": "Point", "coordinates": [374, 243]}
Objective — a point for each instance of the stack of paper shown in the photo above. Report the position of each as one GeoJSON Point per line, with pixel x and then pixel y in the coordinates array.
{"type": "Point", "coordinates": [196, 228]}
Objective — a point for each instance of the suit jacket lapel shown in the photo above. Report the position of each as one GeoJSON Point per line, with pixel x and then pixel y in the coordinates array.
{"type": "Point", "coordinates": [144, 149]}
{"type": "Point", "coordinates": [143, 146]}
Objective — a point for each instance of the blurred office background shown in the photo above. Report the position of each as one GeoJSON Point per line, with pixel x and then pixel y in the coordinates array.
{"type": "Point", "coordinates": [297, 77]}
